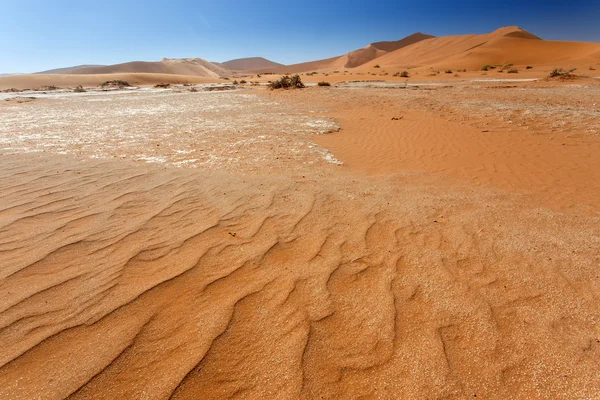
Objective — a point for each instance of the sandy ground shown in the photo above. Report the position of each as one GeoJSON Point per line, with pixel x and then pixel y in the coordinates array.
{"type": "Point", "coordinates": [445, 243]}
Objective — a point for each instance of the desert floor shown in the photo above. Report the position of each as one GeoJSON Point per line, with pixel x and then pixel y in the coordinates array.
{"type": "Point", "coordinates": [436, 239]}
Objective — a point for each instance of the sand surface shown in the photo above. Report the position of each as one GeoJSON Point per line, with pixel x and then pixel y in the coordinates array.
{"type": "Point", "coordinates": [445, 243]}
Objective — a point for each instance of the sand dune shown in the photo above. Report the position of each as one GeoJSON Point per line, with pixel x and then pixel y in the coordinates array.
{"type": "Point", "coordinates": [252, 63]}
{"type": "Point", "coordinates": [505, 45]}
{"type": "Point", "coordinates": [32, 81]}
{"type": "Point", "coordinates": [375, 50]}
{"type": "Point", "coordinates": [68, 70]}
{"type": "Point", "coordinates": [188, 66]}
{"type": "Point", "coordinates": [352, 59]}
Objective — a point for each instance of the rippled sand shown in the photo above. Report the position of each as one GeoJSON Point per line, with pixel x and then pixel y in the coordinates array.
{"type": "Point", "coordinates": [288, 277]}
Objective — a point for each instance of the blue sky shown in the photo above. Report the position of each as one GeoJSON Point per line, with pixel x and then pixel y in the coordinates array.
{"type": "Point", "coordinates": [42, 34]}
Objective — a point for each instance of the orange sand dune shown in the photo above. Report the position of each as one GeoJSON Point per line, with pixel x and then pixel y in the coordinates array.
{"type": "Point", "coordinates": [69, 81]}
{"type": "Point", "coordinates": [435, 50]}
{"type": "Point", "coordinates": [189, 66]}
{"type": "Point", "coordinates": [352, 59]}
{"type": "Point", "coordinates": [375, 50]}
{"type": "Point", "coordinates": [251, 63]}
{"type": "Point", "coordinates": [527, 52]}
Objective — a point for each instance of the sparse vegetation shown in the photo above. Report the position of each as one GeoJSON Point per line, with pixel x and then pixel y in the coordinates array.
{"type": "Point", "coordinates": [287, 82]}
{"type": "Point", "coordinates": [513, 71]}
{"type": "Point", "coordinates": [529, 67]}
{"type": "Point", "coordinates": [115, 84]}
{"type": "Point", "coordinates": [561, 73]}
{"type": "Point", "coordinates": [162, 86]}
{"type": "Point", "coordinates": [448, 71]}
{"type": "Point", "coordinates": [193, 90]}
{"type": "Point", "coordinates": [79, 89]}
{"type": "Point", "coordinates": [235, 82]}
{"type": "Point", "coordinates": [377, 66]}
{"type": "Point", "coordinates": [243, 82]}
{"type": "Point", "coordinates": [487, 67]}
{"type": "Point", "coordinates": [324, 83]}
{"type": "Point", "coordinates": [404, 74]}
{"type": "Point", "coordinates": [592, 69]}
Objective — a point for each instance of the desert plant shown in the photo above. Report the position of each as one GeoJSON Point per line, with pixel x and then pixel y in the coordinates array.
{"type": "Point", "coordinates": [235, 82]}
{"type": "Point", "coordinates": [559, 72]}
{"type": "Point", "coordinates": [529, 67]}
{"type": "Point", "coordinates": [116, 83]}
{"type": "Point", "coordinates": [513, 71]}
{"type": "Point", "coordinates": [243, 82]}
{"type": "Point", "coordinates": [592, 69]}
{"type": "Point", "coordinates": [287, 82]}
{"type": "Point", "coordinates": [377, 66]}
{"type": "Point", "coordinates": [448, 71]}
{"type": "Point", "coordinates": [162, 86]}
{"type": "Point", "coordinates": [487, 67]}
{"type": "Point", "coordinates": [404, 74]}
{"type": "Point", "coordinates": [324, 83]}
{"type": "Point", "coordinates": [193, 90]}
{"type": "Point", "coordinates": [79, 89]}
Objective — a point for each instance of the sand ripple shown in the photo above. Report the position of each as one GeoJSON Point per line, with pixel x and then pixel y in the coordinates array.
{"type": "Point", "coordinates": [139, 282]}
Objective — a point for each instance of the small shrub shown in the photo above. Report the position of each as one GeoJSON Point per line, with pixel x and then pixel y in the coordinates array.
{"type": "Point", "coordinates": [592, 69]}
{"type": "Point", "coordinates": [486, 67]}
{"type": "Point", "coordinates": [513, 71]}
{"type": "Point", "coordinates": [529, 67]}
{"type": "Point", "coordinates": [561, 73]}
{"type": "Point", "coordinates": [287, 82]}
{"type": "Point", "coordinates": [377, 66]}
{"type": "Point", "coordinates": [162, 86]}
{"type": "Point", "coordinates": [448, 71]}
{"type": "Point", "coordinates": [235, 82]}
{"type": "Point", "coordinates": [324, 83]}
{"type": "Point", "coordinates": [404, 74]}
{"type": "Point", "coordinates": [243, 82]}
{"type": "Point", "coordinates": [116, 83]}
{"type": "Point", "coordinates": [79, 89]}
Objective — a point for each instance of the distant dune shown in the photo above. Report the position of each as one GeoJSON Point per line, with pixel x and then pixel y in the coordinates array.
{"type": "Point", "coordinates": [418, 51]}
{"type": "Point", "coordinates": [375, 50]}
{"type": "Point", "coordinates": [187, 66]}
{"type": "Point", "coordinates": [72, 80]}
{"type": "Point", "coordinates": [251, 63]}
{"type": "Point", "coordinates": [354, 58]}
{"type": "Point", "coordinates": [505, 45]}
{"type": "Point", "coordinates": [68, 70]}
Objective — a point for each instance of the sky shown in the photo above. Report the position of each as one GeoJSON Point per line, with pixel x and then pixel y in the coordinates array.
{"type": "Point", "coordinates": [37, 35]}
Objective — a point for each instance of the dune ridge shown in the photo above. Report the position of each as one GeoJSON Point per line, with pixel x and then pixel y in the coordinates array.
{"type": "Point", "coordinates": [186, 66]}
{"type": "Point", "coordinates": [505, 45]}
{"type": "Point", "coordinates": [250, 63]}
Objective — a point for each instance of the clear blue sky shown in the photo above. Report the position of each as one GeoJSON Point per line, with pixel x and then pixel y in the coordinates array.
{"type": "Point", "coordinates": [42, 34]}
